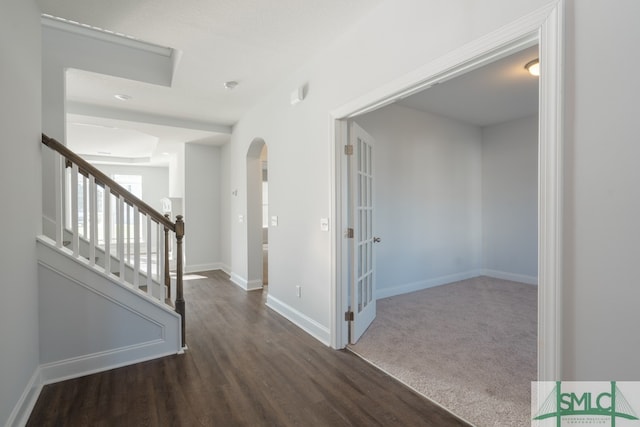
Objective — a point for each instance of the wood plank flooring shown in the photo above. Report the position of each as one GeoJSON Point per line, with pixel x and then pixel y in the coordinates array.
{"type": "Point", "coordinates": [246, 366]}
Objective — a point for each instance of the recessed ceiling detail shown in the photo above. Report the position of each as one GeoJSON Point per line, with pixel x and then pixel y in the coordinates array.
{"type": "Point", "coordinates": [254, 42]}
{"type": "Point", "coordinates": [97, 140]}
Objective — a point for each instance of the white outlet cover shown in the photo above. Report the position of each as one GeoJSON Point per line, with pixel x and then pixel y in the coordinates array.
{"type": "Point", "coordinates": [240, 218]}
{"type": "Point", "coordinates": [274, 221]}
{"type": "Point", "coordinates": [324, 224]}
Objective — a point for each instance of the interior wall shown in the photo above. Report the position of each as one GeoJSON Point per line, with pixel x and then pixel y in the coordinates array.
{"type": "Point", "coordinates": [427, 204]}
{"type": "Point", "coordinates": [176, 173]}
{"type": "Point", "coordinates": [510, 200]}
{"type": "Point", "coordinates": [225, 209]}
{"type": "Point", "coordinates": [155, 181]}
{"type": "Point", "coordinates": [21, 190]}
{"type": "Point", "coordinates": [601, 196]}
{"type": "Point", "coordinates": [202, 207]}
{"type": "Point", "coordinates": [395, 38]}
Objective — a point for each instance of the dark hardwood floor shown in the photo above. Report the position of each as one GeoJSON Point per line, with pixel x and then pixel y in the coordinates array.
{"type": "Point", "coordinates": [246, 366]}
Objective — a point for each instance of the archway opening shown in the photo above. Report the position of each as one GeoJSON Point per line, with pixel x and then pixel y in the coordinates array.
{"type": "Point", "coordinates": [257, 215]}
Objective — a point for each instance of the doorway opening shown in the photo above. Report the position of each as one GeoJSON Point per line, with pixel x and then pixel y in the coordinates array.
{"type": "Point", "coordinates": [455, 236]}
{"type": "Point", "coordinates": [543, 27]}
{"type": "Point", "coordinates": [257, 215]}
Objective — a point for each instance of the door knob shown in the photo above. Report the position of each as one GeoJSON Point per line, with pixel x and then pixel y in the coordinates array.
{"type": "Point", "coordinates": [377, 240]}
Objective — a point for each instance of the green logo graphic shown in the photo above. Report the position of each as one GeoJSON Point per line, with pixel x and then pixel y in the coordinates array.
{"type": "Point", "coordinates": [611, 404]}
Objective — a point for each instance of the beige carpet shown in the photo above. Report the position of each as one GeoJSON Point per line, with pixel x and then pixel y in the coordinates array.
{"type": "Point", "coordinates": [469, 346]}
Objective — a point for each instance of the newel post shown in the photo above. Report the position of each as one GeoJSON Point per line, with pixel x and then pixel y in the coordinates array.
{"type": "Point", "coordinates": [167, 276]}
{"type": "Point", "coordinates": [179, 295]}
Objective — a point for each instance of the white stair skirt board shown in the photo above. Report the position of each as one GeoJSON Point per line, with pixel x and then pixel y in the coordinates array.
{"type": "Point", "coordinates": [310, 326]}
{"type": "Point", "coordinates": [21, 412]}
{"type": "Point", "coordinates": [529, 280]}
{"type": "Point", "coordinates": [424, 284]}
{"type": "Point", "coordinates": [91, 322]}
{"type": "Point", "coordinates": [99, 362]}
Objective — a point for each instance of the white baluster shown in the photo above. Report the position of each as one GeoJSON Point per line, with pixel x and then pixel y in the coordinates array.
{"type": "Point", "coordinates": [93, 219]}
{"type": "Point", "coordinates": [106, 215]}
{"type": "Point", "coordinates": [75, 238]}
{"type": "Point", "coordinates": [163, 294]}
{"type": "Point", "coordinates": [121, 237]}
{"type": "Point", "coordinates": [136, 247]}
{"type": "Point", "coordinates": [85, 202]}
{"type": "Point", "coordinates": [158, 251]}
{"type": "Point", "coordinates": [128, 233]}
{"type": "Point", "coordinates": [149, 261]}
{"type": "Point", "coordinates": [59, 198]}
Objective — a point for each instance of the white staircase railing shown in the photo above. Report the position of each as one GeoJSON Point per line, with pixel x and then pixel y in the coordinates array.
{"type": "Point", "coordinates": [112, 230]}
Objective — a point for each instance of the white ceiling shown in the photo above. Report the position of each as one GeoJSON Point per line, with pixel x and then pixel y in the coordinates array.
{"type": "Point", "coordinates": [498, 92]}
{"type": "Point", "coordinates": [254, 42]}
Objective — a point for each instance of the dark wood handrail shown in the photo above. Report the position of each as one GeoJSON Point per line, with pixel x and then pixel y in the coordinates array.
{"type": "Point", "coordinates": [115, 188]}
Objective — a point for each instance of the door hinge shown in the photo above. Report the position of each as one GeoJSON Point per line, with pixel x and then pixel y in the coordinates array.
{"type": "Point", "coordinates": [348, 316]}
{"type": "Point", "coordinates": [349, 234]}
{"type": "Point", "coordinates": [348, 150]}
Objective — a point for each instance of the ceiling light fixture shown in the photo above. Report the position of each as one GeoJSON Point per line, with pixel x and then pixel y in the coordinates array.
{"type": "Point", "coordinates": [533, 67]}
{"type": "Point", "coordinates": [122, 97]}
{"type": "Point", "coordinates": [230, 85]}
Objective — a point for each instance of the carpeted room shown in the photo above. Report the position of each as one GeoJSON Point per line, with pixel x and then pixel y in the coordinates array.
{"type": "Point", "coordinates": [456, 210]}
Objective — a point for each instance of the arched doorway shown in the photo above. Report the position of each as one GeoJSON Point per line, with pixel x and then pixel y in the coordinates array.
{"type": "Point", "coordinates": [257, 215]}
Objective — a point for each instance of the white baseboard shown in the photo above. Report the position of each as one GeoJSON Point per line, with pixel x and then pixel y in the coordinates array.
{"type": "Point", "coordinates": [103, 361]}
{"type": "Point", "coordinates": [225, 268]}
{"type": "Point", "coordinates": [313, 328]}
{"type": "Point", "coordinates": [529, 280]}
{"type": "Point", "coordinates": [247, 285]}
{"type": "Point", "coordinates": [425, 284]}
{"type": "Point", "coordinates": [196, 268]}
{"type": "Point", "coordinates": [238, 280]}
{"type": "Point", "coordinates": [254, 285]}
{"type": "Point", "coordinates": [22, 411]}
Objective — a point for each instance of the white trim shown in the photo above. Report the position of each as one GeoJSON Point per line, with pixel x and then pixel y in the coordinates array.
{"type": "Point", "coordinates": [425, 284]}
{"type": "Point", "coordinates": [546, 26]}
{"type": "Point", "coordinates": [103, 361]}
{"type": "Point", "coordinates": [254, 285]}
{"type": "Point", "coordinates": [236, 279]}
{"type": "Point", "coordinates": [74, 107]}
{"type": "Point", "coordinates": [307, 324]}
{"type": "Point", "coordinates": [63, 24]}
{"type": "Point", "coordinates": [196, 268]}
{"type": "Point", "coordinates": [22, 410]}
{"type": "Point", "coordinates": [504, 275]}
{"type": "Point", "coordinates": [224, 267]}
{"type": "Point", "coordinates": [550, 197]}
{"type": "Point", "coordinates": [46, 260]}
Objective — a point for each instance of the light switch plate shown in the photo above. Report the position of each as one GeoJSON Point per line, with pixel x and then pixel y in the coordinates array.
{"type": "Point", "coordinates": [274, 221]}
{"type": "Point", "coordinates": [240, 218]}
{"type": "Point", "coordinates": [324, 224]}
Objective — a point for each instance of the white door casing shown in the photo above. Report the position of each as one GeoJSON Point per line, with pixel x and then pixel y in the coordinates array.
{"type": "Point", "coordinates": [544, 26]}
